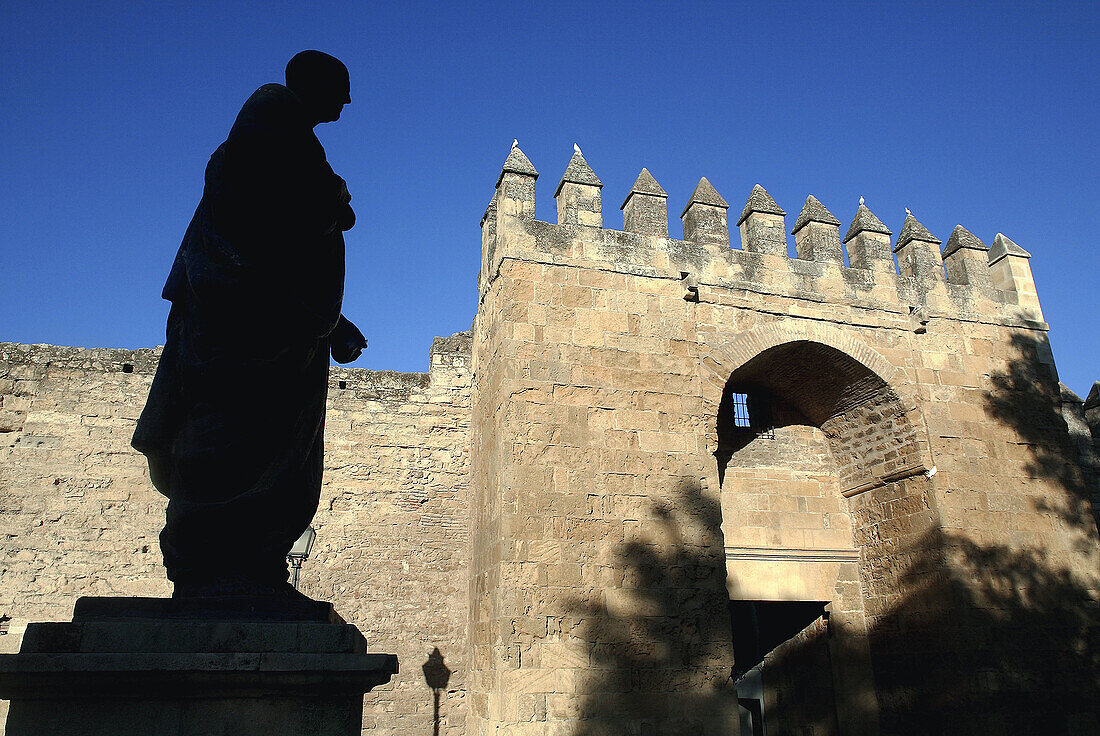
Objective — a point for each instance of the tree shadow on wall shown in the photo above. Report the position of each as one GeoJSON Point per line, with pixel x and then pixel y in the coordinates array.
{"type": "Point", "coordinates": [1027, 398]}
{"type": "Point", "coordinates": [998, 631]}
{"type": "Point", "coordinates": [660, 646]}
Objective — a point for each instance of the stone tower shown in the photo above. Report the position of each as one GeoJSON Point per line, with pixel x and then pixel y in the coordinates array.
{"type": "Point", "coordinates": [681, 448]}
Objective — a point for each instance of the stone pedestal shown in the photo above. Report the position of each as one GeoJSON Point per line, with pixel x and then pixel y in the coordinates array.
{"type": "Point", "coordinates": [246, 667]}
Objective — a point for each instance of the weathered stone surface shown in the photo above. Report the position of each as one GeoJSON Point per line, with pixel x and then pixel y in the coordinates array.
{"type": "Point", "coordinates": [892, 470]}
{"type": "Point", "coordinates": [705, 193]}
{"type": "Point", "coordinates": [962, 238]}
{"type": "Point", "coordinates": [1093, 400]}
{"type": "Point", "coordinates": [645, 184]}
{"type": "Point", "coordinates": [392, 527]}
{"type": "Point", "coordinates": [1067, 395]}
{"type": "Point", "coordinates": [816, 235]}
{"type": "Point", "coordinates": [1004, 246]}
{"type": "Point", "coordinates": [1091, 411]}
{"type": "Point", "coordinates": [578, 172]}
{"type": "Point", "coordinates": [813, 211]}
{"type": "Point", "coordinates": [645, 209]}
{"type": "Point", "coordinates": [865, 221]}
{"type": "Point", "coordinates": [517, 163]}
{"type": "Point", "coordinates": [912, 230]}
{"type": "Point", "coordinates": [578, 194]}
{"type": "Point", "coordinates": [965, 262]}
{"type": "Point", "coordinates": [759, 201]}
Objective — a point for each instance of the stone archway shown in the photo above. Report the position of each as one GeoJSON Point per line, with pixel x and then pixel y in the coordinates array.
{"type": "Point", "coordinates": [819, 493]}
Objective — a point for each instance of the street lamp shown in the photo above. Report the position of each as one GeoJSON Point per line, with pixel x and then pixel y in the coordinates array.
{"type": "Point", "coordinates": [299, 552]}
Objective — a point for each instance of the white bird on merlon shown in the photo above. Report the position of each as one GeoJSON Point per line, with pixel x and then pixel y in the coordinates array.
{"type": "Point", "coordinates": [861, 200]}
{"type": "Point", "coordinates": [576, 148]}
{"type": "Point", "coordinates": [907, 212]}
{"type": "Point", "coordinates": [515, 143]}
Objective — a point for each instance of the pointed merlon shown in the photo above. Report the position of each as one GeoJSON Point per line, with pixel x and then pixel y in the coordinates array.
{"type": "Point", "coordinates": [912, 230]}
{"type": "Point", "coordinates": [1093, 399]}
{"type": "Point", "coordinates": [760, 201]}
{"type": "Point", "coordinates": [813, 211]}
{"type": "Point", "coordinates": [578, 172]}
{"type": "Point", "coordinates": [1003, 246]}
{"type": "Point", "coordinates": [645, 184]}
{"type": "Point", "coordinates": [962, 238]}
{"type": "Point", "coordinates": [865, 221]}
{"type": "Point", "coordinates": [491, 210]}
{"type": "Point", "coordinates": [517, 163]}
{"type": "Point", "coordinates": [1068, 395]}
{"type": "Point", "coordinates": [705, 193]}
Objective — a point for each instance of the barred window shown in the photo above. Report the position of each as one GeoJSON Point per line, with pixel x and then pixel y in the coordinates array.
{"type": "Point", "coordinates": [741, 410]}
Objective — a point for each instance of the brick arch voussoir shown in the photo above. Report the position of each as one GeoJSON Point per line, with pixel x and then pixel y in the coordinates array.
{"type": "Point", "coordinates": [721, 360]}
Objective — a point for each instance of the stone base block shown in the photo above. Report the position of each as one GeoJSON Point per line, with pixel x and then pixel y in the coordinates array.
{"type": "Point", "coordinates": [139, 666]}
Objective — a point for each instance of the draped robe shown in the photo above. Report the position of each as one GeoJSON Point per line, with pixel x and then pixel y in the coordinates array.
{"type": "Point", "coordinates": [233, 427]}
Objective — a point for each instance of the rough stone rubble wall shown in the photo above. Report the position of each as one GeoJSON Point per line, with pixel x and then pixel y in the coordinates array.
{"type": "Point", "coordinates": [78, 515]}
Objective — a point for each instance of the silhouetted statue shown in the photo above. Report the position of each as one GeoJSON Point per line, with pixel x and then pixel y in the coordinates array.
{"type": "Point", "coordinates": [234, 424]}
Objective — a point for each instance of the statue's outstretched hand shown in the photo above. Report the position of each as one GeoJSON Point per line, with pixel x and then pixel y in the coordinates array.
{"type": "Point", "coordinates": [346, 341]}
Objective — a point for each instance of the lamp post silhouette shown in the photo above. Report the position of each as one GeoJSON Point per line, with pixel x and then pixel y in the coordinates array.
{"type": "Point", "coordinates": [299, 552]}
{"type": "Point", "coordinates": [437, 675]}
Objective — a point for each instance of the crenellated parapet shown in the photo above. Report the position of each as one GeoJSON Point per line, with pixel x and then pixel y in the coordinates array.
{"type": "Point", "coordinates": [645, 209]}
{"type": "Point", "coordinates": [704, 215]}
{"type": "Point", "coordinates": [1011, 273]}
{"type": "Point", "coordinates": [578, 194]}
{"type": "Point", "coordinates": [964, 279]}
{"type": "Point", "coordinates": [966, 259]}
{"type": "Point", "coordinates": [817, 234]}
{"type": "Point", "coordinates": [761, 224]}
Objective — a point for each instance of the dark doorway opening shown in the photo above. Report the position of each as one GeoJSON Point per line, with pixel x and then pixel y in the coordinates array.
{"type": "Point", "coordinates": [761, 626]}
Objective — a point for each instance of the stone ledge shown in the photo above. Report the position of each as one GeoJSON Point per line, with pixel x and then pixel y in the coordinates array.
{"type": "Point", "coordinates": [121, 669]}
{"type": "Point", "coordinates": [178, 675]}
{"type": "Point", "coordinates": [174, 637]}
{"type": "Point", "coordinates": [205, 609]}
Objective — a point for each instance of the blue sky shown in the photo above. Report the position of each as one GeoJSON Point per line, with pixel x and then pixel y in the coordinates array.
{"type": "Point", "coordinates": [981, 114]}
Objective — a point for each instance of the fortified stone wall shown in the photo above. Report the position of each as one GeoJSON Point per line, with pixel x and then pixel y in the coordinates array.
{"type": "Point", "coordinates": [78, 515]}
{"type": "Point", "coordinates": [602, 360]}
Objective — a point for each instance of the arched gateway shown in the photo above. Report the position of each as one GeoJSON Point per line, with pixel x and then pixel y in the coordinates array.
{"type": "Point", "coordinates": [809, 438]}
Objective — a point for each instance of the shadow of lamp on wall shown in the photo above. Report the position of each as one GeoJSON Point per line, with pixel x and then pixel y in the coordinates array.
{"type": "Point", "coordinates": [299, 552]}
{"type": "Point", "coordinates": [437, 675]}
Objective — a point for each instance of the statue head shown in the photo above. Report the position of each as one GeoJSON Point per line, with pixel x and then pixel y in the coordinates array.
{"type": "Point", "coordinates": [321, 82]}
